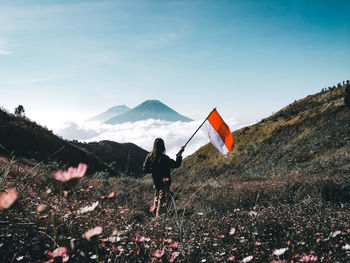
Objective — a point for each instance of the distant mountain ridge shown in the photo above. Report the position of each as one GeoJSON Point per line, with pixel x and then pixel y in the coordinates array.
{"type": "Point", "coordinates": [110, 113]}
{"type": "Point", "coordinates": [149, 109]}
{"type": "Point", "coordinates": [127, 158]}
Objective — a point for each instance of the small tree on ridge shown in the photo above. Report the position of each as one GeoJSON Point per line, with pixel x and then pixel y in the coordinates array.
{"type": "Point", "coordinates": [19, 111]}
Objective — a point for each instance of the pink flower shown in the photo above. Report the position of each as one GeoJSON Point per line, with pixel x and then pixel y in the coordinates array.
{"type": "Point", "coordinates": [174, 245]}
{"type": "Point", "coordinates": [71, 173]}
{"type": "Point", "coordinates": [174, 255]}
{"type": "Point", "coordinates": [168, 240]}
{"type": "Point", "coordinates": [253, 213]}
{"type": "Point", "coordinates": [306, 258]}
{"type": "Point", "coordinates": [280, 252]}
{"type": "Point", "coordinates": [158, 253]}
{"type": "Point", "coordinates": [232, 258]}
{"type": "Point", "coordinates": [92, 232]}
{"type": "Point", "coordinates": [139, 239]}
{"type": "Point", "coordinates": [152, 208]}
{"type": "Point", "coordinates": [8, 198]}
{"type": "Point", "coordinates": [111, 195]}
{"type": "Point", "coordinates": [58, 252]}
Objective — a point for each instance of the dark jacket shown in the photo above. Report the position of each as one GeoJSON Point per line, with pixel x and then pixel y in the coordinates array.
{"type": "Point", "coordinates": [160, 169]}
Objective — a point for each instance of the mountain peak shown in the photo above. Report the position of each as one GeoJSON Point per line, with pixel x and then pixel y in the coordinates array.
{"type": "Point", "coordinates": [152, 101]}
{"type": "Point", "coordinates": [149, 109]}
{"type": "Point", "coordinates": [118, 107]}
{"type": "Point", "coordinates": [110, 113]}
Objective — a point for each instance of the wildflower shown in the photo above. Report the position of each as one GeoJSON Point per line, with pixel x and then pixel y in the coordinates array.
{"type": "Point", "coordinates": [232, 231]}
{"type": "Point", "coordinates": [168, 240]}
{"type": "Point", "coordinates": [111, 195]}
{"type": "Point", "coordinates": [232, 258]}
{"type": "Point", "coordinates": [158, 253]}
{"type": "Point", "coordinates": [71, 173]}
{"type": "Point", "coordinates": [92, 232]}
{"type": "Point", "coordinates": [174, 245]}
{"type": "Point", "coordinates": [279, 252]}
{"type": "Point", "coordinates": [253, 213]}
{"type": "Point", "coordinates": [152, 208]}
{"type": "Point", "coordinates": [258, 243]}
{"type": "Point", "coordinates": [111, 239]}
{"type": "Point", "coordinates": [306, 258]}
{"type": "Point", "coordinates": [140, 239]}
{"type": "Point", "coordinates": [247, 259]}
{"type": "Point", "coordinates": [58, 252]}
{"type": "Point", "coordinates": [346, 247]}
{"type": "Point", "coordinates": [8, 198]}
{"type": "Point", "coordinates": [174, 255]}
{"type": "Point", "coordinates": [334, 234]}
{"type": "Point", "coordinates": [87, 208]}
{"type": "Point", "coordinates": [41, 208]}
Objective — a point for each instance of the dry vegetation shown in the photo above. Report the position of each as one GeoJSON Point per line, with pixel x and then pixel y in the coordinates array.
{"type": "Point", "coordinates": [311, 136]}
{"type": "Point", "coordinates": [216, 221]}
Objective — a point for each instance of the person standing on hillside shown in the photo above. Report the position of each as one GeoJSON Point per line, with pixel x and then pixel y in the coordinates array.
{"type": "Point", "coordinates": [159, 164]}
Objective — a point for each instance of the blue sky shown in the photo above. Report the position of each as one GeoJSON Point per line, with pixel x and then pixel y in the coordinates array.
{"type": "Point", "coordinates": [69, 60]}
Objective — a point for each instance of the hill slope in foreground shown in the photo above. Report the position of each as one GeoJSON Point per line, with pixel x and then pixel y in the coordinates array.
{"type": "Point", "coordinates": [300, 214]}
{"type": "Point", "coordinates": [27, 140]}
{"type": "Point", "coordinates": [311, 135]}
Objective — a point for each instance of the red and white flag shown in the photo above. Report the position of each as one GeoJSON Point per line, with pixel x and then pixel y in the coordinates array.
{"type": "Point", "coordinates": [219, 133]}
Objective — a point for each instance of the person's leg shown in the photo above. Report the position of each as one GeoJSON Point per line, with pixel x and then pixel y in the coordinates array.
{"type": "Point", "coordinates": [155, 199]}
{"type": "Point", "coordinates": [164, 195]}
{"type": "Point", "coordinates": [159, 200]}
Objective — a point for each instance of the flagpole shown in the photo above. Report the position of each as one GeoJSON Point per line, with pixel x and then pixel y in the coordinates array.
{"type": "Point", "coordinates": [198, 128]}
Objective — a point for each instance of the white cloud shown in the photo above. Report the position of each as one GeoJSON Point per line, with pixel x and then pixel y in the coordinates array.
{"type": "Point", "coordinates": [73, 132]}
{"type": "Point", "coordinates": [4, 52]}
{"type": "Point", "coordinates": [26, 80]}
{"type": "Point", "coordinates": [4, 48]}
{"type": "Point", "coordinates": [143, 133]}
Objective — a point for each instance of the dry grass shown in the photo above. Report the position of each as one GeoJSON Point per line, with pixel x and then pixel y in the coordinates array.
{"type": "Point", "coordinates": [298, 212]}
{"type": "Point", "coordinates": [298, 137]}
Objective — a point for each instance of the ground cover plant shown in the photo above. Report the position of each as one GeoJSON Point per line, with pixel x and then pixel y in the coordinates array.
{"type": "Point", "coordinates": [289, 218]}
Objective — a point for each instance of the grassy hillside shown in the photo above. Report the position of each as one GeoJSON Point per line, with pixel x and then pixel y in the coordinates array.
{"type": "Point", "coordinates": [310, 135]}
{"type": "Point", "coordinates": [24, 138]}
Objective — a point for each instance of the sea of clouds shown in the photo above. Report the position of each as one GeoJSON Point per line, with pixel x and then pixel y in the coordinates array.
{"type": "Point", "coordinates": [143, 133]}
